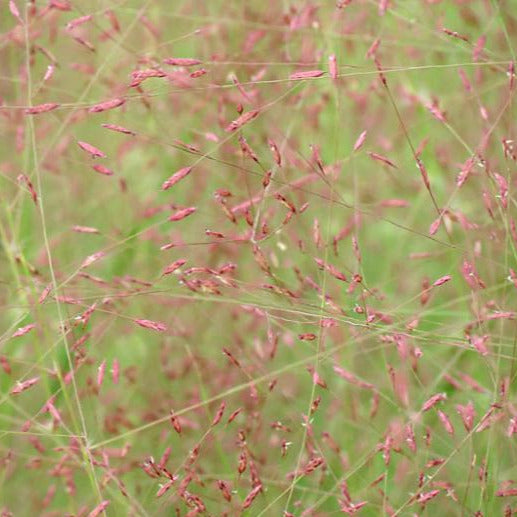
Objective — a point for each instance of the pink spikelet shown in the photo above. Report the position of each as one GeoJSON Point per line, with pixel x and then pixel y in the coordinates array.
{"type": "Point", "coordinates": [225, 489]}
{"type": "Point", "coordinates": [139, 76]}
{"type": "Point", "coordinates": [503, 189]}
{"type": "Point", "coordinates": [467, 415]}
{"type": "Point", "coordinates": [433, 228]}
{"type": "Point", "coordinates": [307, 74]}
{"type": "Point", "coordinates": [49, 73]}
{"type": "Point", "coordinates": [85, 317]}
{"type": "Point", "coordinates": [513, 277]}
{"type": "Point", "coordinates": [511, 74]}
{"type": "Point", "coordinates": [153, 325]}
{"type": "Point", "coordinates": [22, 386]}
{"type": "Point", "coordinates": [61, 5]}
{"type": "Point", "coordinates": [115, 371]}
{"type": "Point", "coordinates": [478, 48]}
{"type": "Point", "coordinates": [331, 269]}
{"type": "Point", "coordinates": [479, 343]}
{"type": "Point", "coordinates": [174, 266]}
{"type": "Point", "coordinates": [241, 89]}
{"type": "Point", "coordinates": [470, 275]}
{"type": "Point", "coordinates": [382, 75]}
{"type": "Point", "coordinates": [234, 415]}
{"type": "Point", "coordinates": [219, 414]}
{"type": "Point", "coordinates": [507, 492]}
{"type": "Point", "coordinates": [182, 214]}
{"type": "Point", "coordinates": [99, 509]}
{"type": "Point", "coordinates": [423, 173]}
{"type": "Point", "coordinates": [442, 280]}
{"type": "Point", "coordinates": [333, 70]}
{"type": "Point", "coordinates": [42, 108]}
{"type": "Point", "coordinates": [383, 7]}
{"type": "Point", "coordinates": [465, 80]}
{"type": "Point", "coordinates": [316, 378]}
{"type": "Point", "coordinates": [446, 422]}
{"type": "Point", "coordinates": [85, 43]}
{"type": "Point", "coordinates": [435, 111]}
{"type": "Point", "coordinates": [432, 401]}
{"type": "Point", "coordinates": [85, 229]}
{"type": "Point", "coordinates": [251, 496]}
{"type": "Point", "coordinates": [101, 169]}
{"type": "Point", "coordinates": [402, 203]}
{"type": "Point", "coordinates": [276, 152]}
{"type": "Point", "coordinates": [241, 121]}
{"type": "Point", "coordinates": [175, 422]}
{"type": "Point", "coordinates": [512, 427]}
{"type": "Point", "coordinates": [113, 20]}
{"type": "Point", "coordinates": [24, 330]}
{"type": "Point", "coordinates": [177, 176]}
{"type": "Point", "coordinates": [465, 171]}
{"type": "Point", "coordinates": [88, 261]}
{"type": "Point", "coordinates": [373, 48]}
{"type": "Point", "coordinates": [455, 34]}
{"type": "Point", "coordinates": [14, 11]}
{"type": "Point", "coordinates": [90, 149]}
{"type": "Point", "coordinates": [100, 373]}
{"type": "Point", "coordinates": [22, 178]}
{"type": "Point", "coordinates": [360, 140]}
{"type": "Point", "coordinates": [76, 22]}
{"type": "Point", "coordinates": [118, 129]}
{"type": "Point", "coordinates": [410, 437]}
{"type": "Point", "coordinates": [503, 315]}
{"type": "Point", "coordinates": [165, 458]}
{"type": "Point", "coordinates": [49, 407]}
{"type": "Point", "coordinates": [181, 61]}
{"type": "Point", "coordinates": [424, 497]}
{"type": "Point", "coordinates": [382, 159]}
{"type": "Point", "coordinates": [44, 294]}
{"type": "Point", "coordinates": [513, 230]}
{"type": "Point", "coordinates": [165, 487]}
{"type": "Point", "coordinates": [106, 105]}
{"type": "Point", "coordinates": [247, 150]}
{"type": "Point", "coordinates": [350, 508]}
{"type": "Point", "coordinates": [351, 378]}
{"type": "Point", "coordinates": [198, 73]}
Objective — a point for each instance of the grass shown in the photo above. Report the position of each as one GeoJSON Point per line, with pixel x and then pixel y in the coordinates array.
{"type": "Point", "coordinates": [337, 336]}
